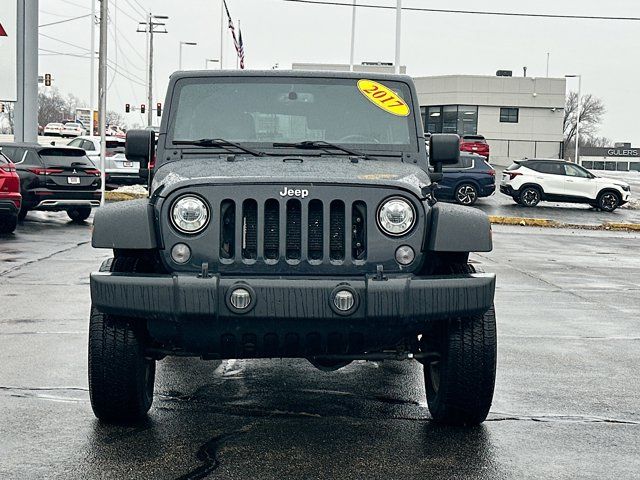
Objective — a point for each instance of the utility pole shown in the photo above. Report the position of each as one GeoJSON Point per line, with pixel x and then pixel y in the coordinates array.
{"type": "Point", "coordinates": [102, 92]}
{"type": "Point", "coordinates": [398, 33]}
{"type": "Point", "coordinates": [548, 54]}
{"type": "Point", "coordinates": [149, 28]}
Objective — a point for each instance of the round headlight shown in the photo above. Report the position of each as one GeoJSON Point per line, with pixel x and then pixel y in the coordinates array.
{"type": "Point", "coordinates": [396, 216]}
{"type": "Point", "coordinates": [189, 214]}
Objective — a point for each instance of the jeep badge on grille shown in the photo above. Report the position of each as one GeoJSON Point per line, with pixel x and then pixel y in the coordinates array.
{"type": "Point", "coordinates": [290, 192]}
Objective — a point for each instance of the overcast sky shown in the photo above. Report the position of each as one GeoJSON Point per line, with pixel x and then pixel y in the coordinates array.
{"type": "Point", "coordinates": [274, 31]}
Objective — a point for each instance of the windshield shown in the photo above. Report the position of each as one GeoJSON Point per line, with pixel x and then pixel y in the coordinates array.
{"type": "Point", "coordinates": [264, 111]}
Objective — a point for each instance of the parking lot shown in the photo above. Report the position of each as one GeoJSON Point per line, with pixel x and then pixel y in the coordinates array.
{"type": "Point", "coordinates": [566, 403]}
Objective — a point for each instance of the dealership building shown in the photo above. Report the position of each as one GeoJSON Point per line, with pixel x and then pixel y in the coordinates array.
{"type": "Point", "coordinates": [520, 117]}
{"type": "Point", "coordinates": [622, 157]}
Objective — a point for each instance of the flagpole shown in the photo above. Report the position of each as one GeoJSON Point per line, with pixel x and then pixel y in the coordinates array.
{"type": "Point", "coordinates": [238, 56]}
{"type": "Point", "coordinates": [221, 34]}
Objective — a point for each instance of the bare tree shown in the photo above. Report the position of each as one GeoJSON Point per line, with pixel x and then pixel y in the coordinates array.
{"type": "Point", "coordinates": [114, 118]}
{"type": "Point", "coordinates": [7, 118]}
{"type": "Point", "coordinates": [592, 111]}
{"type": "Point", "coordinates": [52, 107]}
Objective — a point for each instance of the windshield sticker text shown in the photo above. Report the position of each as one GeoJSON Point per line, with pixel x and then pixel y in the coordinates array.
{"type": "Point", "coordinates": [383, 97]}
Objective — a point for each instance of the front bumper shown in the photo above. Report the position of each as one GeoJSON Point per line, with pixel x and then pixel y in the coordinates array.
{"type": "Point", "coordinates": [186, 314]}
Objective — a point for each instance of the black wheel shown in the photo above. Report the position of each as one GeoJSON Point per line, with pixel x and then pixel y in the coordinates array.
{"type": "Point", "coordinates": [79, 214]}
{"type": "Point", "coordinates": [22, 214]}
{"type": "Point", "coordinates": [460, 377]}
{"type": "Point", "coordinates": [121, 379]}
{"type": "Point", "coordinates": [8, 223]}
{"type": "Point", "coordinates": [516, 199]}
{"type": "Point", "coordinates": [608, 201]}
{"type": "Point", "coordinates": [529, 196]}
{"type": "Point", "coordinates": [466, 194]}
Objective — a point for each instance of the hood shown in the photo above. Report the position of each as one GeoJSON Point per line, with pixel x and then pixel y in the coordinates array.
{"type": "Point", "coordinates": [290, 171]}
{"type": "Point", "coordinates": [615, 181]}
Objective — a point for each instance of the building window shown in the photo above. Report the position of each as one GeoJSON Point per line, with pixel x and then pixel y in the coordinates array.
{"type": "Point", "coordinates": [509, 115]}
{"type": "Point", "coordinates": [460, 119]}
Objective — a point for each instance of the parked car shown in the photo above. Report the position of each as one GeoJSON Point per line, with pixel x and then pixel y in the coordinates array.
{"type": "Point", "coordinates": [475, 144]}
{"type": "Point", "coordinates": [53, 129]}
{"type": "Point", "coordinates": [530, 181]}
{"type": "Point", "coordinates": [55, 179]}
{"type": "Point", "coordinates": [466, 181]}
{"type": "Point", "coordinates": [118, 169]}
{"type": "Point", "coordinates": [10, 198]}
{"type": "Point", "coordinates": [72, 129]}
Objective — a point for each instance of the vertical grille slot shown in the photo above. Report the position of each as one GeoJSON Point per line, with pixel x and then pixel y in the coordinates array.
{"type": "Point", "coordinates": [337, 230]}
{"type": "Point", "coordinates": [250, 229]}
{"type": "Point", "coordinates": [271, 229]}
{"type": "Point", "coordinates": [315, 230]}
{"type": "Point", "coordinates": [294, 230]}
{"type": "Point", "coordinates": [227, 228]}
{"type": "Point", "coordinates": [359, 231]}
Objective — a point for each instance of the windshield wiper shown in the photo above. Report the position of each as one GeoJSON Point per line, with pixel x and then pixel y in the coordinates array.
{"type": "Point", "coordinates": [322, 145]}
{"type": "Point", "coordinates": [219, 142]}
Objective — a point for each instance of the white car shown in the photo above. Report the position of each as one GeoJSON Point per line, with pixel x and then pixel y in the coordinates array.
{"type": "Point", "coordinates": [53, 129]}
{"type": "Point", "coordinates": [72, 129]}
{"type": "Point", "coordinates": [530, 181]}
{"type": "Point", "coordinates": [118, 169]}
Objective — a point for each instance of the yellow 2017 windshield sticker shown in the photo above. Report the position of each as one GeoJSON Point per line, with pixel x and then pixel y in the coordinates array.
{"type": "Point", "coordinates": [383, 97]}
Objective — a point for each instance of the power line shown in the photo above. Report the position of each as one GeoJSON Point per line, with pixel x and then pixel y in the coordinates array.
{"type": "Point", "coordinates": [84, 7]}
{"type": "Point", "coordinates": [134, 8]}
{"type": "Point", "coordinates": [470, 12]}
{"type": "Point", "coordinates": [65, 42]}
{"type": "Point", "coordinates": [66, 54]}
{"type": "Point", "coordinates": [64, 21]}
{"type": "Point", "coordinates": [128, 15]}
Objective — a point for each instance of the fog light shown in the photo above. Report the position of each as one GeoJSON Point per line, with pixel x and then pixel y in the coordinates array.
{"type": "Point", "coordinates": [405, 255]}
{"type": "Point", "coordinates": [240, 298]}
{"type": "Point", "coordinates": [344, 300]}
{"type": "Point", "coordinates": [180, 253]}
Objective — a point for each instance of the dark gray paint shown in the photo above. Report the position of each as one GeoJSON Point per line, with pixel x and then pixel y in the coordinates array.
{"type": "Point", "coordinates": [456, 228]}
{"type": "Point", "coordinates": [125, 225]}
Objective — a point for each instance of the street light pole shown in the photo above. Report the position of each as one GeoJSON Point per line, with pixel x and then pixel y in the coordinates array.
{"type": "Point", "coordinates": [579, 108]}
{"type": "Point", "coordinates": [353, 36]}
{"type": "Point", "coordinates": [102, 92]}
{"type": "Point", "coordinates": [180, 54]}
{"type": "Point", "coordinates": [398, 34]}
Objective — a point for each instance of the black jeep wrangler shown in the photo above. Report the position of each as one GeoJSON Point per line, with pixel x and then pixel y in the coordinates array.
{"type": "Point", "coordinates": [291, 214]}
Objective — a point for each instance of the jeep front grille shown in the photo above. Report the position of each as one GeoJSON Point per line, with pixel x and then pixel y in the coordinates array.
{"type": "Point", "coordinates": [293, 230]}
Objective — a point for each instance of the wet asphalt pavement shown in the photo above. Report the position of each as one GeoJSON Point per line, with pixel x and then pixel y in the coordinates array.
{"type": "Point", "coordinates": [567, 402]}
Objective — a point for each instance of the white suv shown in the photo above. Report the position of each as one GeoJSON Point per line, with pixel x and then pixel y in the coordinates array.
{"type": "Point", "coordinates": [530, 181]}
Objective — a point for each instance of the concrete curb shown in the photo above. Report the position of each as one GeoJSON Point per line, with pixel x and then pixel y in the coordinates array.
{"type": "Point", "coordinates": [543, 222]}
{"type": "Point", "coordinates": [122, 196]}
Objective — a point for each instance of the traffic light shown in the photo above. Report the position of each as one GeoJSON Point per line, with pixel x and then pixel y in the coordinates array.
{"type": "Point", "coordinates": [159, 109]}
{"type": "Point", "coordinates": [1, 107]}
{"type": "Point", "coordinates": [142, 108]}
{"type": "Point", "coordinates": [127, 108]}
{"type": "Point", "coordinates": [47, 79]}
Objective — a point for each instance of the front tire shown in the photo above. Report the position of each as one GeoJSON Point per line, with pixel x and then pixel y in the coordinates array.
{"type": "Point", "coordinates": [466, 194]}
{"type": "Point", "coordinates": [460, 383]}
{"type": "Point", "coordinates": [460, 377]}
{"type": "Point", "coordinates": [530, 196]}
{"type": "Point", "coordinates": [608, 201]}
{"type": "Point", "coordinates": [79, 214]}
{"type": "Point", "coordinates": [121, 379]}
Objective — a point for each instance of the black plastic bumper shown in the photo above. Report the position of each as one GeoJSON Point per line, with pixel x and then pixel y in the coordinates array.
{"type": "Point", "coordinates": [398, 300]}
{"type": "Point", "coordinates": [291, 317]}
{"type": "Point", "coordinates": [508, 190]}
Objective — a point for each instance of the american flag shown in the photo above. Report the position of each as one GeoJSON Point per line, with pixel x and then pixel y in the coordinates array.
{"type": "Point", "coordinates": [237, 44]}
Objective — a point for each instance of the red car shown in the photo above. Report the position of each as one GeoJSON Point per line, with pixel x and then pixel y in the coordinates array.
{"type": "Point", "coordinates": [10, 198]}
{"type": "Point", "coordinates": [475, 144]}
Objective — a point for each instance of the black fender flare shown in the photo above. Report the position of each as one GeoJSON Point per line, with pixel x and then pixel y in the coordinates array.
{"type": "Point", "coordinates": [124, 225]}
{"type": "Point", "coordinates": [457, 228]}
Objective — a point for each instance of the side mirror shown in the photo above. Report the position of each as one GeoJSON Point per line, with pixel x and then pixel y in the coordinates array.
{"type": "Point", "coordinates": [444, 149]}
{"type": "Point", "coordinates": [140, 147]}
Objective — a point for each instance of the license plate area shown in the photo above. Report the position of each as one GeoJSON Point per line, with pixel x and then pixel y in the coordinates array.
{"type": "Point", "coordinates": [73, 180]}
{"type": "Point", "coordinates": [128, 164]}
